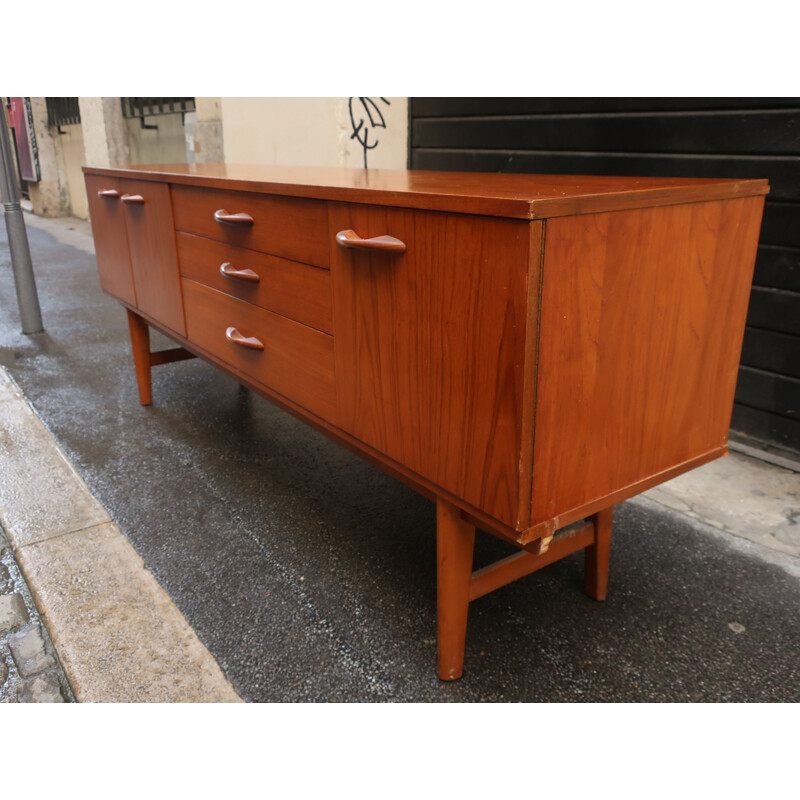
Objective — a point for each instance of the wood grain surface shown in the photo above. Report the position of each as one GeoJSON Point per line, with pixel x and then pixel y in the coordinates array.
{"type": "Point", "coordinates": [110, 238]}
{"type": "Point", "coordinates": [703, 137]}
{"type": "Point", "coordinates": [491, 194]}
{"type": "Point", "coordinates": [430, 346]}
{"type": "Point", "coordinates": [447, 374]}
{"type": "Point", "coordinates": [282, 226]}
{"type": "Point", "coordinates": [641, 328]}
{"type": "Point", "coordinates": [297, 361]}
{"type": "Point", "coordinates": [298, 291]}
{"type": "Point", "coordinates": [151, 238]}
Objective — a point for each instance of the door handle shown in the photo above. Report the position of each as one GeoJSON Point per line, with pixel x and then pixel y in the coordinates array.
{"type": "Point", "coordinates": [232, 219]}
{"type": "Point", "coordinates": [250, 342]}
{"type": "Point", "coordinates": [229, 271]}
{"type": "Point", "coordinates": [382, 244]}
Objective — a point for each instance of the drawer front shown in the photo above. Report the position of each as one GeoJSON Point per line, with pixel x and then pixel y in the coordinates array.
{"type": "Point", "coordinates": [283, 226]}
{"type": "Point", "coordinates": [296, 362]}
{"type": "Point", "coordinates": [298, 291]}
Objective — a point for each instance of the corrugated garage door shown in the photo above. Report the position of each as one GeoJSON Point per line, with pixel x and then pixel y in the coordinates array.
{"type": "Point", "coordinates": [711, 137]}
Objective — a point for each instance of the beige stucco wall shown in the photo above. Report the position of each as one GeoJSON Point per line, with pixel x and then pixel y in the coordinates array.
{"type": "Point", "coordinates": [61, 190]}
{"type": "Point", "coordinates": [302, 131]}
{"type": "Point", "coordinates": [165, 145]}
{"type": "Point", "coordinates": [72, 153]}
{"type": "Point", "coordinates": [312, 131]}
{"type": "Point", "coordinates": [208, 135]}
{"type": "Point", "coordinates": [105, 134]}
{"type": "Point", "coordinates": [50, 196]}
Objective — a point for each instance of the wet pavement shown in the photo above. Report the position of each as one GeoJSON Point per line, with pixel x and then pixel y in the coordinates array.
{"type": "Point", "coordinates": [310, 575]}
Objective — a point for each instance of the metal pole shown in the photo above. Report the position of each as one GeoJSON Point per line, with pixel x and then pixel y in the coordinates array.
{"type": "Point", "coordinates": [27, 296]}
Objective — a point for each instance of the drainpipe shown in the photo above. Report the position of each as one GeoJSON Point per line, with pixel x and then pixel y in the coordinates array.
{"type": "Point", "coordinates": [27, 297]}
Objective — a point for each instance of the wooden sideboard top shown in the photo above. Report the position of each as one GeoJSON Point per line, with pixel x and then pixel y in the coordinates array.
{"type": "Point", "coordinates": [491, 194]}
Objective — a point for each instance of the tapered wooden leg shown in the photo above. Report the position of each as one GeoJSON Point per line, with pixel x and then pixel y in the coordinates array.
{"type": "Point", "coordinates": [597, 554]}
{"type": "Point", "coordinates": [455, 546]}
{"type": "Point", "coordinates": [140, 343]}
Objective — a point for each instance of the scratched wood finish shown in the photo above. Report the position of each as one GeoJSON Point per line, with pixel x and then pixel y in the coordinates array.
{"type": "Point", "coordinates": [151, 238]}
{"type": "Point", "coordinates": [430, 346]}
{"type": "Point", "coordinates": [297, 361]}
{"type": "Point", "coordinates": [641, 328]}
{"type": "Point", "coordinates": [522, 563]}
{"type": "Point", "coordinates": [282, 226]}
{"type": "Point", "coordinates": [110, 238]}
{"type": "Point", "coordinates": [492, 194]}
{"type": "Point", "coordinates": [298, 291]}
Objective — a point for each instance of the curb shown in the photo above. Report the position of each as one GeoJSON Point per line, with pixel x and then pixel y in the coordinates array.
{"type": "Point", "coordinates": [117, 633]}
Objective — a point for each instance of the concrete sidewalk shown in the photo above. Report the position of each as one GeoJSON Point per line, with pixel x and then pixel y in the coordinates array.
{"type": "Point", "coordinates": [328, 594]}
{"type": "Point", "coordinates": [117, 634]}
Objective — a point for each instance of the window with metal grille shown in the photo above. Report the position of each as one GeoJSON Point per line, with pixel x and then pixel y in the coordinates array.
{"type": "Point", "coordinates": [63, 111]}
{"type": "Point", "coordinates": [141, 107]}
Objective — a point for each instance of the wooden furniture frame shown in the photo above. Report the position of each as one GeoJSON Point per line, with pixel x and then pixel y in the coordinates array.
{"type": "Point", "coordinates": [526, 350]}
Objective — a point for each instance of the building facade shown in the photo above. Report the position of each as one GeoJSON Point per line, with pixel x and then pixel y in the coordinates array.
{"type": "Point", "coordinates": [68, 133]}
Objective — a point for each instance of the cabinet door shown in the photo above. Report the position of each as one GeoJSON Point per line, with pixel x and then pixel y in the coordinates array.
{"type": "Point", "coordinates": [430, 347]}
{"type": "Point", "coordinates": [154, 259]}
{"type": "Point", "coordinates": [110, 237]}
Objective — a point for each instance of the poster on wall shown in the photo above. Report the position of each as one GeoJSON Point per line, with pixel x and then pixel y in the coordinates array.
{"type": "Point", "coordinates": [27, 152]}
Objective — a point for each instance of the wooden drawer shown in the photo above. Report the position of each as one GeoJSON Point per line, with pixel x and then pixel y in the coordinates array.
{"type": "Point", "coordinates": [296, 362]}
{"type": "Point", "coordinates": [298, 291]}
{"type": "Point", "coordinates": [283, 226]}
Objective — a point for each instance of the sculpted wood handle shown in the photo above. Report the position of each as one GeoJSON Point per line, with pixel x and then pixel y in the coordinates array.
{"type": "Point", "coordinates": [108, 193]}
{"type": "Point", "coordinates": [133, 198]}
{"type": "Point", "coordinates": [250, 342]}
{"type": "Point", "coordinates": [383, 244]}
{"type": "Point", "coordinates": [229, 271]}
{"type": "Point", "coordinates": [232, 219]}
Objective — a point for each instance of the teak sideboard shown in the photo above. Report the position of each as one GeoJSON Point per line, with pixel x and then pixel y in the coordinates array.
{"type": "Point", "coordinates": [527, 350]}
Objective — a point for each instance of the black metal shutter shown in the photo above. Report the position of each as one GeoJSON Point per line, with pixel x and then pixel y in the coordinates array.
{"type": "Point", "coordinates": [682, 137]}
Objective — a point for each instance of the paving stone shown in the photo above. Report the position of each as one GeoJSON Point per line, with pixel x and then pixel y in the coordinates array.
{"type": "Point", "coordinates": [3, 672]}
{"type": "Point", "coordinates": [30, 656]}
{"type": "Point", "coordinates": [12, 612]}
{"type": "Point", "coordinates": [42, 689]}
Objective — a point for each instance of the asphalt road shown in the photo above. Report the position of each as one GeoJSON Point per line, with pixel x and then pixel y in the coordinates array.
{"type": "Point", "coordinates": [310, 575]}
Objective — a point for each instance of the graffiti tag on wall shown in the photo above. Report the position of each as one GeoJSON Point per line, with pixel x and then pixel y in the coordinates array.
{"type": "Point", "coordinates": [366, 117]}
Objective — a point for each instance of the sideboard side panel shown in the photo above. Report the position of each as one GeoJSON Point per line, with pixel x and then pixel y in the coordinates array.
{"type": "Point", "coordinates": [430, 347]}
{"type": "Point", "coordinates": [642, 321]}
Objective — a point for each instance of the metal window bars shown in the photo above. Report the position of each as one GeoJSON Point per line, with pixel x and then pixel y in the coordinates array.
{"type": "Point", "coordinates": [62, 111]}
{"type": "Point", "coordinates": [141, 107]}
